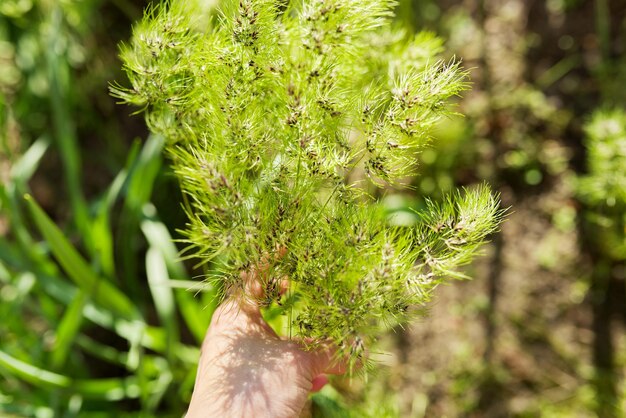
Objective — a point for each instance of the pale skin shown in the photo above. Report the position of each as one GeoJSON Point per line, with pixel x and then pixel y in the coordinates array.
{"type": "Point", "coordinates": [246, 370]}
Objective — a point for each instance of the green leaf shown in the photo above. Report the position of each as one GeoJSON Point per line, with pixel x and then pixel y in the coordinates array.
{"type": "Point", "coordinates": [33, 374]}
{"type": "Point", "coordinates": [68, 329]}
{"type": "Point", "coordinates": [144, 173]}
{"type": "Point", "coordinates": [11, 209]}
{"type": "Point", "coordinates": [100, 290]}
{"type": "Point", "coordinates": [101, 229]}
{"type": "Point", "coordinates": [63, 123]}
{"type": "Point", "coordinates": [196, 317]}
{"type": "Point", "coordinates": [159, 237]}
{"type": "Point", "coordinates": [158, 281]}
{"type": "Point", "coordinates": [26, 166]}
{"type": "Point", "coordinates": [108, 389]}
{"type": "Point", "coordinates": [141, 178]}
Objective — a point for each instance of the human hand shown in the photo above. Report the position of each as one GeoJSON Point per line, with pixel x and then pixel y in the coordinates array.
{"type": "Point", "coordinates": [246, 370]}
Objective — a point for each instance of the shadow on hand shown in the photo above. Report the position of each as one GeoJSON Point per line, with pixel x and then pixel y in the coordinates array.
{"type": "Point", "coordinates": [247, 370]}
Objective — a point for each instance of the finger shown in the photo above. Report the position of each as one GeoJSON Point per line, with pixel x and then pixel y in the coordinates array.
{"type": "Point", "coordinates": [319, 382]}
{"type": "Point", "coordinates": [249, 294]}
{"type": "Point", "coordinates": [257, 282]}
{"type": "Point", "coordinates": [241, 313]}
{"type": "Point", "coordinates": [326, 359]}
{"type": "Point", "coordinates": [241, 297]}
{"type": "Point", "coordinates": [281, 251]}
{"type": "Point", "coordinates": [283, 286]}
{"type": "Point", "coordinates": [252, 286]}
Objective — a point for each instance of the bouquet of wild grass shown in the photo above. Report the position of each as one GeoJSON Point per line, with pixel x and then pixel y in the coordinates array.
{"type": "Point", "coordinates": [282, 118]}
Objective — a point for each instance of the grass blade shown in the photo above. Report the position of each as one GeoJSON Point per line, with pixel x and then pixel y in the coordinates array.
{"type": "Point", "coordinates": [67, 330]}
{"type": "Point", "coordinates": [101, 229]}
{"type": "Point", "coordinates": [144, 173]}
{"type": "Point", "coordinates": [111, 389]}
{"type": "Point", "coordinates": [196, 318]}
{"type": "Point", "coordinates": [163, 297]}
{"type": "Point", "coordinates": [26, 166]}
{"type": "Point", "coordinates": [142, 177]}
{"type": "Point", "coordinates": [32, 374]}
{"type": "Point", "coordinates": [100, 290]}
{"type": "Point", "coordinates": [63, 123]}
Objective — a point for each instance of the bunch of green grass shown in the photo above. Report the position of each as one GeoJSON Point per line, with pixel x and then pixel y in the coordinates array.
{"type": "Point", "coordinates": [281, 119]}
{"type": "Point", "coordinates": [85, 328]}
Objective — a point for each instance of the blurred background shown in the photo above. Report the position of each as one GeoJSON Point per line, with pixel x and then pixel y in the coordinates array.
{"type": "Point", "coordinates": [87, 202]}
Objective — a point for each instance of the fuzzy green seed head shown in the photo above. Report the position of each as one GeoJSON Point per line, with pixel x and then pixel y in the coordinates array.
{"type": "Point", "coordinates": [280, 118]}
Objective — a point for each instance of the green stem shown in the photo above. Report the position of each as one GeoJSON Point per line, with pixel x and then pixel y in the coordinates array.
{"type": "Point", "coordinates": [64, 128]}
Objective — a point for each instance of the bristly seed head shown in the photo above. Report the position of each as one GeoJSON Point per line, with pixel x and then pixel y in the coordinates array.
{"type": "Point", "coordinates": [271, 119]}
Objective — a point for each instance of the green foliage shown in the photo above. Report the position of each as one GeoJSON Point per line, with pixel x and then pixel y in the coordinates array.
{"type": "Point", "coordinates": [603, 188]}
{"type": "Point", "coordinates": [274, 113]}
{"type": "Point", "coordinates": [328, 403]}
{"type": "Point", "coordinates": [85, 328]}
{"type": "Point", "coordinates": [605, 182]}
{"type": "Point", "coordinates": [69, 306]}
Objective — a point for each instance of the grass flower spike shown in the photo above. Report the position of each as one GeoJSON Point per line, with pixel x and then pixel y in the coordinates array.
{"type": "Point", "coordinates": [281, 118]}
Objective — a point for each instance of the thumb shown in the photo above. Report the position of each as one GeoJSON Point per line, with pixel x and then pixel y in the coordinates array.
{"type": "Point", "coordinates": [326, 359]}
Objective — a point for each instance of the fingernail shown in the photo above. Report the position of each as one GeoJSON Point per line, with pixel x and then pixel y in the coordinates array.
{"type": "Point", "coordinates": [319, 382]}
